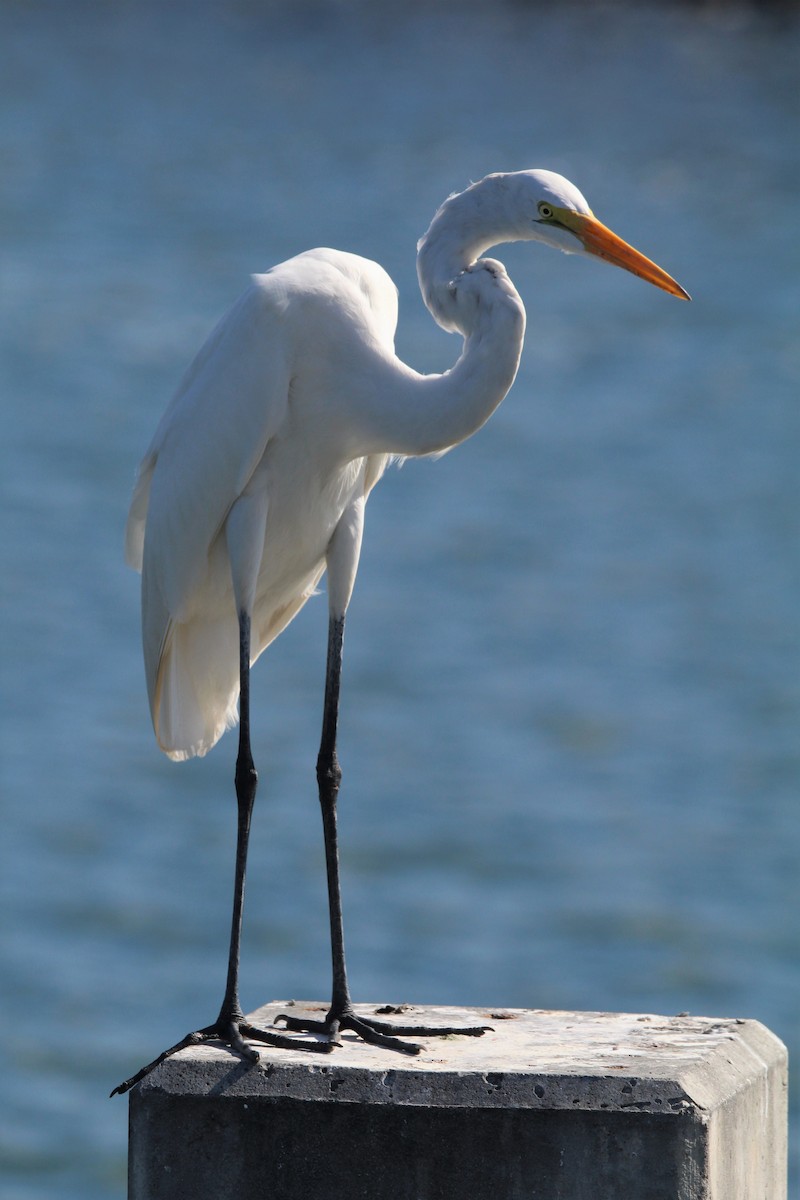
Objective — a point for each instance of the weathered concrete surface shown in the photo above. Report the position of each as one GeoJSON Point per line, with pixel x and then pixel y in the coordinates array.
{"type": "Point", "coordinates": [557, 1106]}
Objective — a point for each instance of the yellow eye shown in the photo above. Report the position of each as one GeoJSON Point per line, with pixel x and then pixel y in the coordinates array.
{"type": "Point", "coordinates": [546, 211]}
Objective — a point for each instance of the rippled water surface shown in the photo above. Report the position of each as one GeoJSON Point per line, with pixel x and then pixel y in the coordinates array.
{"type": "Point", "coordinates": [570, 722]}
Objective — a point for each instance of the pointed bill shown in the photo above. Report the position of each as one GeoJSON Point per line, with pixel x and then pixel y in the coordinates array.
{"type": "Point", "coordinates": [598, 239]}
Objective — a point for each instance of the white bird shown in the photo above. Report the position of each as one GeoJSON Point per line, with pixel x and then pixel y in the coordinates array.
{"type": "Point", "coordinates": [257, 477]}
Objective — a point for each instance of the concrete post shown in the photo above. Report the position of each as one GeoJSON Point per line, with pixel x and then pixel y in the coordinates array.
{"type": "Point", "coordinates": [557, 1106]}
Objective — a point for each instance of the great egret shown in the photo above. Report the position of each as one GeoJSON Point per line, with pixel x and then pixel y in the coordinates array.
{"type": "Point", "coordinates": [256, 480]}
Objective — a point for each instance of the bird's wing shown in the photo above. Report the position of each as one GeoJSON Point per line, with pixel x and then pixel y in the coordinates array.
{"type": "Point", "coordinates": [231, 402]}
{"type": "Point", "coordinates": [213, 435]}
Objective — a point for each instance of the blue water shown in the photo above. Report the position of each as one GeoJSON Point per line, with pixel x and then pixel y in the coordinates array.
{"type": "Point", "coordinates": [570, 718]}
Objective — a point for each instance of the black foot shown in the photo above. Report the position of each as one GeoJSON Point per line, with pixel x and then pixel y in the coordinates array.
{"type": "Point", "coordinates": [232, 1033]}
{"type": "Point", "coordinates": [377, 1033]}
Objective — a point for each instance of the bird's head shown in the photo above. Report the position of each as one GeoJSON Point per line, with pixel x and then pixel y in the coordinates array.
{"type": "Point", "coordinates": [550, 209]}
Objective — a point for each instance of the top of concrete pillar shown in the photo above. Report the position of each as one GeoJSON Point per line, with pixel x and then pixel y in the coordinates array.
{"type": "Point", "coordinates": [531, 1059]}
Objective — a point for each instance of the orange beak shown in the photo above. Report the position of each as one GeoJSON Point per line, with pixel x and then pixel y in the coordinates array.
{"type": "Point", "coordinates": [599, 240]}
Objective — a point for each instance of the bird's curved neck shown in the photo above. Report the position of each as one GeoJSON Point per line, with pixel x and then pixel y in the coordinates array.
{"type": "Point", "coordinates": [465, 227]}
{"type": "Point", "coordinates": [473, 296]}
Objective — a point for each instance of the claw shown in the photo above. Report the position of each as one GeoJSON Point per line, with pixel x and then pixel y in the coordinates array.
{"type": "Point", "coordinates": [232, 1033]}
{"type": "Point", "coordinates": [377, 1033]}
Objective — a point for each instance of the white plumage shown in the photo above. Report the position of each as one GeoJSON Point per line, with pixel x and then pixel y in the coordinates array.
{"type": "Point", "coordinates": [257, 477]}
{"type": "Point", "coordinates": [231, 431]}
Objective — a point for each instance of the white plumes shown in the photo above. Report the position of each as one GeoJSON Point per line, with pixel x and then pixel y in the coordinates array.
{"type": "Point", "coordinates": [256, 477]}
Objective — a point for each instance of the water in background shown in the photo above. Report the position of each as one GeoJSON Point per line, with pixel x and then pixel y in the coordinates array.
{"type": "Point", "coordinates": [570, 724]}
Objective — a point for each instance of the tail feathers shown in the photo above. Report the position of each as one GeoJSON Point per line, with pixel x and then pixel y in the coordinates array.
{"type": "Point", "coordinates": [197, 686]}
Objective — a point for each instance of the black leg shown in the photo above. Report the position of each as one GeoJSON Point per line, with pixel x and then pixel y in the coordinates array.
{"type": "Point", "coordinates": [231, 1016]}
{"type": "Point", "coordinates": [329, 777]}
{"type": "Point", "coordinates": [230, 1026]}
